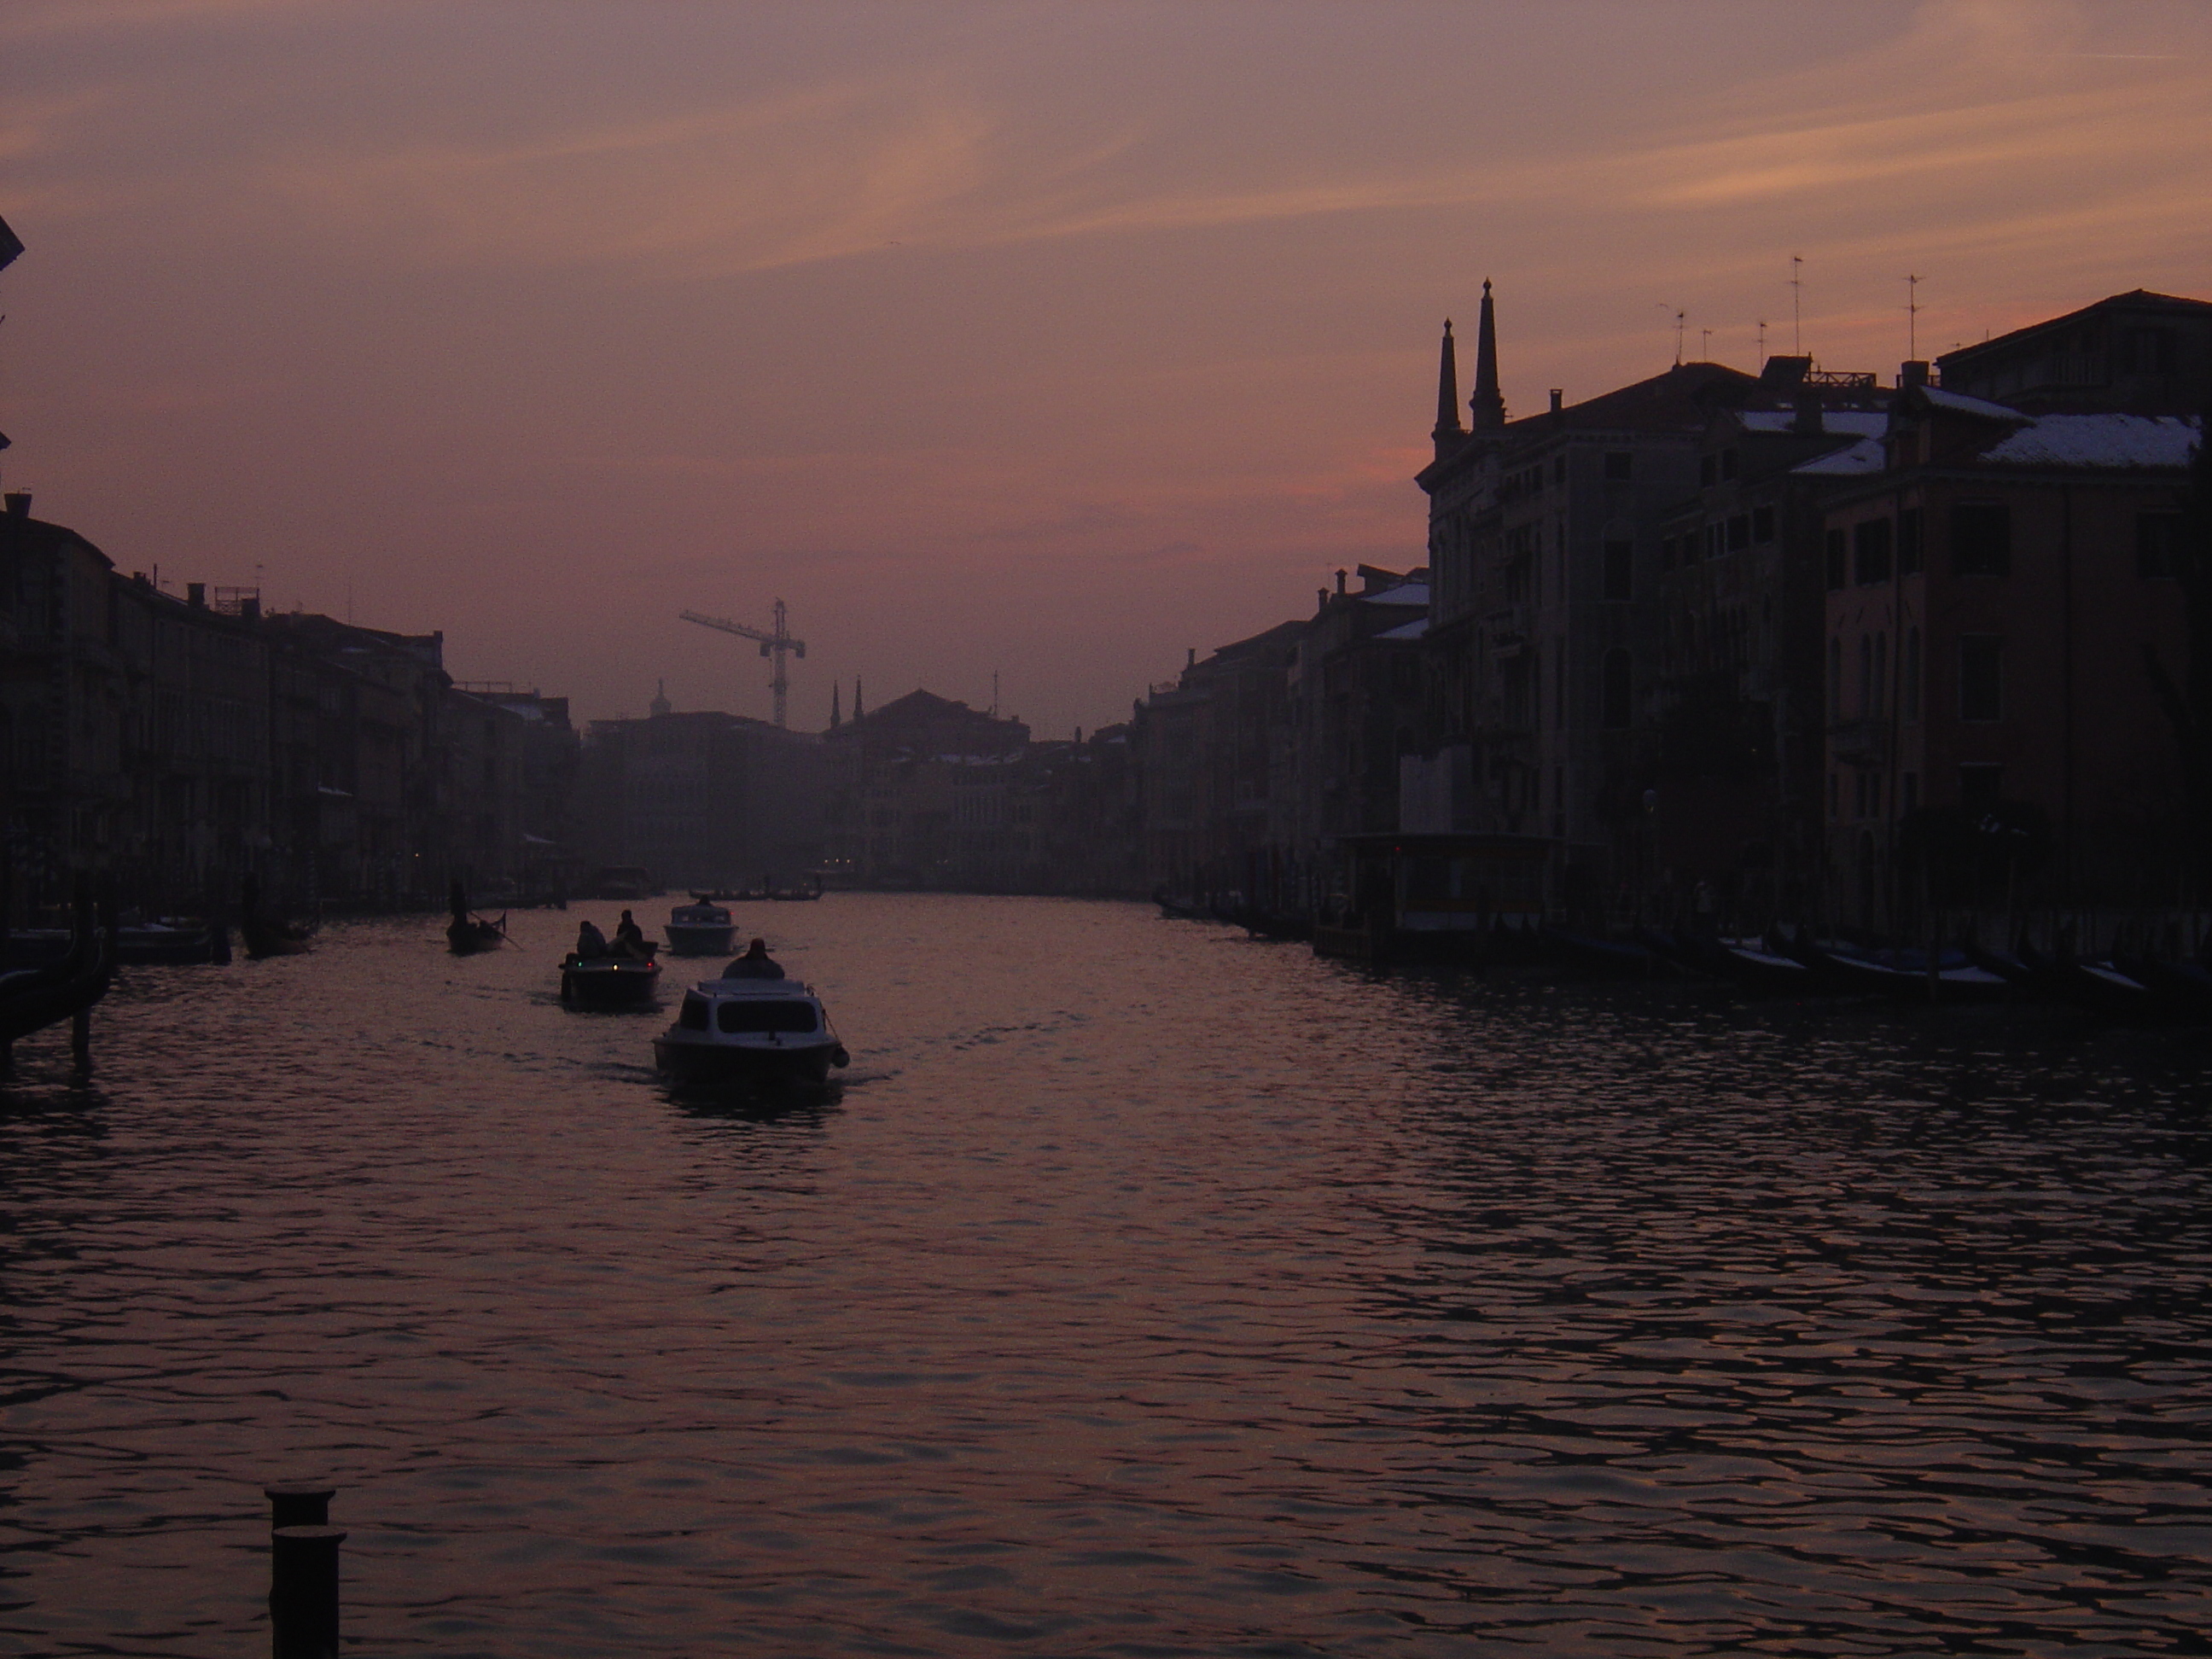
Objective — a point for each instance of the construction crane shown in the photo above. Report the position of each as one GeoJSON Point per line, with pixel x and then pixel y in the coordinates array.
{"type": "Point", "coordinates": [773, 644]}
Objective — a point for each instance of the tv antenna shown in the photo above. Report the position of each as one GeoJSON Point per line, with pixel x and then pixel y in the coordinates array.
{"type": "Point", "coordinates": [1680, 314]}
{"type": "Point", "coordinates": [1796, 294]}
{"type": "Point", "coordinates": [1912, 318]}
{"type": "Point", "coordinates": [774, 644]}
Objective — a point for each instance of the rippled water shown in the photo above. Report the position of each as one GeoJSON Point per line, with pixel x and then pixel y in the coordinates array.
{"type": "Point", "coordinates": [1147, 1291]}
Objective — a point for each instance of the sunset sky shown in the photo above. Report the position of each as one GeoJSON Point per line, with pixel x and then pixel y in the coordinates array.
{"type": "Point", "coordinates": [1047, 338]}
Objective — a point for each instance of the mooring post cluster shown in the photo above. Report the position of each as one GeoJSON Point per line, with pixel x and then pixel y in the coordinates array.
{"type": "Point", "coordinates": [303, 1571]}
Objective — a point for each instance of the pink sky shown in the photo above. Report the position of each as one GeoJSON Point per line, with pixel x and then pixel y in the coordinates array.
{"type": "Point", "coordinates": [1052, 339]}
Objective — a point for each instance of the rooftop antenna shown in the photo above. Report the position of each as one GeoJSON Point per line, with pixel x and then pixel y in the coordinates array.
{"type": "Point", "coordinates": [1680, 315]}
{"type": "Point", "coordinates": [1704, 345]}
{"type": "Point", "coordinates": [1796, 294]}
{"type": "Point", "coordinates": [1762, 342]}
{"type": "Point", "coordinates": [994, 694]}
{"type": "Point", "coordinates": [1912, 318]}
{"type": "Point", "coordinates": [774, 644]}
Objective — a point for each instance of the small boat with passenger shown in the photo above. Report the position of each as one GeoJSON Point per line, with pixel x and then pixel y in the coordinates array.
{"type": "Point", "coordinates": [701, 928]}
{"type": "Point", "coordinates": [598, 974]}
{"type": "Point", "coordinates": [752, 1026]}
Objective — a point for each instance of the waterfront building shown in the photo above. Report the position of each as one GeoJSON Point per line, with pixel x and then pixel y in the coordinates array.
{"type": "Point", "coordinates": [926, 792]}
{"type": "Point", "coordinates": [703, 799]}
{"type": "Point", "coordinates": [2002, 601]}
{"type": "Point", "coordinates": [1542, 643]}
{"type": "Point", "coordinates": [1730, 794]}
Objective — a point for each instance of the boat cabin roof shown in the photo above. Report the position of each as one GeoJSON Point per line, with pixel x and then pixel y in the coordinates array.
{"type": "Point", "coordinates": [755, 987]}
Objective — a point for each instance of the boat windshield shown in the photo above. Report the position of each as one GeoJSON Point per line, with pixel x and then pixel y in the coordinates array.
{"type": "Point", "coordinates": [750, 1017]}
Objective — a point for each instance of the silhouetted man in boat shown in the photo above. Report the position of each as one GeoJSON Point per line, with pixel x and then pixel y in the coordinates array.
{"type": "Point", "coordinates": [590, 941]}
{"type": "Point", "coordinates": [629, 937]}
{"type": "Point", "coordinates": [756, 963]}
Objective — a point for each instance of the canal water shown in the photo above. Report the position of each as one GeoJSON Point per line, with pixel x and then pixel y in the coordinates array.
{"type": "Point", "coordinates": [1147, 1290]}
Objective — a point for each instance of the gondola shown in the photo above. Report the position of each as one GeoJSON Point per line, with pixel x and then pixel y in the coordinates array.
{"type": "Point", "coordinates": [1604, 958]}
{"type": "Point", "coordinates": [34, 997]}
{"type": "Point", "coordinates": [467, 933]}
{"type": "Point", "coordinates": [265, 935]}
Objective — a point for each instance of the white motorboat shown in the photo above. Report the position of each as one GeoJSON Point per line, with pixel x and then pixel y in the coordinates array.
{"type": "Point", "coordinates": [702, 928]}
{"type": "Point", "coordinates": [752, 1031]}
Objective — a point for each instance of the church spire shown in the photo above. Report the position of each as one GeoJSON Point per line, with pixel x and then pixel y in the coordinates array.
{"type": "Point", "coordinates": [1448, 432]}
{"type": "Point", "coordinates": [857, 710]}
{"type": "Point", "coordinates": [1486, 409]}
{"type": "Point", "coordinates": [661, 705]}
{"type": "Point", "coordinates": [835, 718]}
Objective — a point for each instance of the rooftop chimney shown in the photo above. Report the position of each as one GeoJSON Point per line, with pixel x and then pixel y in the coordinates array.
{"type": "Point", "coordinates": [1807, 420]}
{"type": "Point", "coordinates": [1339, 583]}
{"type": "Point", "coordinates": [1559, 399]}
{"type": "Point", "coordinates": [196, 595]}
{"type": "Point", "coordinates": [19, 503]}
{"type": "Point", "coordinates": [1913, 372]}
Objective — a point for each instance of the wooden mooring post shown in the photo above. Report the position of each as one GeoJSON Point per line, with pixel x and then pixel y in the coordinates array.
{"type": "Point", "coordinates": [303, 1573]}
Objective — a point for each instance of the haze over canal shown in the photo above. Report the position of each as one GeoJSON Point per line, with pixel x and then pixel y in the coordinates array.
{"type": "Point", "coordinates": [1147, 1291]}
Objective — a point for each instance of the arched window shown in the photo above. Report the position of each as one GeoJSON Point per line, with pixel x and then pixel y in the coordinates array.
{"type": "Point", "coordinates": [1618, 697]}
{"type": "Point", "coordinates": [1911, 665]}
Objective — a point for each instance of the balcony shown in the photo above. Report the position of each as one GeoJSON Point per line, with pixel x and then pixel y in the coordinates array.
{"type": "Point", "coordinates": [1861, 742]}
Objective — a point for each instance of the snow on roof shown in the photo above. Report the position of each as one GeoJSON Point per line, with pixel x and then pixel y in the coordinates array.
{"type": "Point", "coordinates": [1858, 422]}
{"type": "Point", "coordinates": [1960, 403]}
{"type": "Point", "coordinates": [2105, 439]}
{"type": "Point", "coordinates": [1404, 593]}
{"type": "Point", "coordinates": [1412, 630]}
{"type": "Point", "coordinates": [1860, 455]}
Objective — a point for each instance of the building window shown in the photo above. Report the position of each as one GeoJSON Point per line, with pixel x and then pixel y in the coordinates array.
{"type": "Point", "coordinates": [1981, 676]}
{"type": "Point", "coordinates": [1835, 560]}
{"type": "Point", "coordinates": [1981, 786]}
{"type": "Point", "coordinates": [1739, 532]}
{"type": "Point", "coordinates": [1620, 466]}
{"type": "Point", "coordinates": [1666, 553]}
{"type": "Point", "coordinates": [1620, 570]}
{"type": "Point", "coordinates": [1981, 539]}
{"type": "Point", "coordinates": [1870, 552]}
{"type": "Point", "coordinates": [1716, 540]}
{"type": "Point", "coordinates": [2158, 545]}
{"type": "Point", "coordinates": [1728, 464]}
{"type": "Point", "coordinates": [1858, 794]}
{"type": "Point", "coordinates": [1709, 471]}
{"type": "Point", "coordinates": [1618, 690]}
{"type": "Point", "coordinates": [1908, 792]}
{"type": "Point", "coordinates": [1908, 538]}
{"type": "Point", "coordinates": [1910, 691]}
{"type": "Point", "coordinates": [1762, 525]}
{"type": "Point", "coordinates": [1560, 470]}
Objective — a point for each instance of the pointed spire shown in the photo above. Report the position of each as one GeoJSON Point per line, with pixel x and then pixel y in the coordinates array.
{"type": "Point", "coordinates": [857, 710]}
{"type": "Point", "coordinates": [661, 704]}
{"type": "Point", "coordinates": [1486, 409]}
{"type": "Point", "coordinates": [1448, 432]}
{"type": "Point", "coordinates": [836, 719]}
